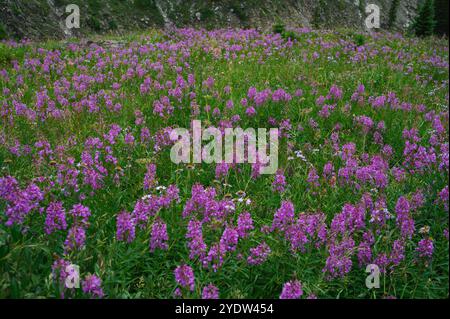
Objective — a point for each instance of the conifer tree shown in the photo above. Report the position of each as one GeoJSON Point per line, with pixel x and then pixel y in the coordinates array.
{"type": "Point", "coordinates": [424, 22]}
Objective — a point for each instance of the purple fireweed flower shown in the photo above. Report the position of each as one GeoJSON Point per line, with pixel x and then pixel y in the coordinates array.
{"type": "Point", "coordinates": [364, 253]}
{"type": "Point", "coordinates": [144, 208]}
{"type": "Point", "coordinates": [365, 122]}
{"type": "Point", "coordinates": [222, 170]}
{"type": "Point", "coordinates": [292, 290]}
{"type": "Point", "coordinates": [398, 173]}
{"type": "Point", "coordinates": [378, 138]}
{"type": "Point", "coordinates": [279, 183]}
{"type": "Point", "coordinates": [244, 224]}
{"type": "Point", "coordinates": [417, 200]}
{"type": "Point", "coordinates": [379, 213]}
{"type": "Point", "coordinates": [425, 248]}
{"type": "Point", "coordinates": [307, 228]}
{"type": "Point", "coordinates": [339, 261]}
{"type": "Point", "coordinates": [139, 118]}
{"type": "Point", "coordinates": [149, 205]}
{"type": "Point", "coordinates": [191, 79]}
{"type": "Point", "coordinates": [92, 285]}
{"type": "Point", "coordinates": [382, 261]}
{"type": "Point", "coordinates": [125, 227]}
{"type": "Point", "coordinates": [55, 218]}
{"type": "Point", "coordinates": [196, 245]}
{"type": "Point", "coordinates": [229, 239]}
{"type": "Point", "coordinates": [250, 111]}
{"type": "Point", "coordinates": [20, 203]}
{"type": "Point", "coordinates": [158, 236]}
{"type": "Point", "coordinates": [184, 275]}
{"type": "Point", "coordinates": [313, 124]}
{"type": "Point", "coordinates": [145, 135]}
{"type": "Point", "coordinates": [373, 174]}
{"type": "Point", "coordinates": [444, 197]}
{"type": "Point", "coordinates": [259, 254]}
{"type": "Point", "coordinates": [397, 254]}
{"type": "Point", "coordinates": [59, 270]}
{"type": "Point", "coordinates": [235, 118]}
{"type": "Point", "coordinates": [210, 292]}
{"type": "Point", "coordinates": [261, 97]}
{"type": "Point", "coordinates": [209, 83]}
{"type": "Point", "coordinates": [93, 171]}
{"type": "Point", "coordinates": [8, 188]}
{"type": "Point", "coordinates": [285, 128]}
{"type": "Point", "coordinates": [320, 100]}
{"type": "Point", "coordinates": [387, 151]}
{"type": "Point", "coordinates": [328, 170]}
{"type": "Point", "coordinates": [347, 151]}
{"type": "Point", "coordinates": [283, 216]}
{"type": "Point", "coordinates": [75, 238]}
{"type": "Point", "coordinates": [404, 220]}
{"type": "Point", "coordinates": [113, 133]}
{"type": "Point", "coordinates": [378, 102]}
{"type": "Point", "coordinates": [80, 214]}
{"type": "Point", "coordinates": [177, 293]}
{"type": "Point", "coordinates": [281, 95]}
{"type": "Point", "coordinates": [251, 92]}
{"type": "Point", "coordinates": [129, 139]}
{"type": "Point", "coordinates": [335, 92]}
{"type": "Point", "coordinates": [418, 158]}
{"type": "Point", "coordinates": [215, 257]}
{"type": "Point", "coordinates": [313, 178]}
{"type": "Point", "coordinates": [172, 195]}
{"type": "Point", "coordinates": [203, 202]}
{"type": "Point", "coordinates": [150, 177]}
{"type": "Point", "coordinates": [216, 112]}
{"type": "Point", "coordinates": [326, 110]}
{"type": "Point", "coordinates": [351, 219]}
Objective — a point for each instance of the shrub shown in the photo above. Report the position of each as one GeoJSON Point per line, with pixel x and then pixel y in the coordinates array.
{"type": "Point", "coordinates": [144, 4]}
{"type": "Point", "coordinates": [94, 24]}
{"type": "Point", "coordinates": [8, 54]}
{"type": "Point", "coordinates": [278, 28]}
{"type": "Point", "coordinates": [206, 13]}
{"type": "Point", "coordinates": [112, 24]}
{"type": "Point", "coordinates": [240, 13]}
{"type": "Point", "coordinates": [3, 34]}
{"type": "Point", "coordinates": [95, 5]}
{"type": "Point", "coordinates": [289, 35]}
{"type": "Point", "coordinates": [359, 39]}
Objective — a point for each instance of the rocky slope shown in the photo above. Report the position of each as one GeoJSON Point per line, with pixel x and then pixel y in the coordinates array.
{"type": "Point", "coordinates": [45, 18]}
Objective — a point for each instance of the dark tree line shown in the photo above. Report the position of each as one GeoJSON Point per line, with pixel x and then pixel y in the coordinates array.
{"type": "Point", "coordinates": [432, 18]}
{"type": "Point", "coordinates": [441, 15]}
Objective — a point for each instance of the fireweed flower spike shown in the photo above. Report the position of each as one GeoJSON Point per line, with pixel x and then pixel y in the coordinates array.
{"type": "Point", "coordinates": [425, 248]}
{"type": "Point", "coordinates": [292, 290]}
{"type": "Point", "coordinates": [91, 285]}
{"type": "Point", "coordinates": [158, 236]}
{"type": "Point", "coordinates": [259, 254]}
{"type": "Point", "coordinates": [184, 276]}
{"type": "Point", "coordinates": [56, 217]}
{"type": "Point", "coordinates": [210, 292]}
{"type": "Point", "coordinates": [126, 229]}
